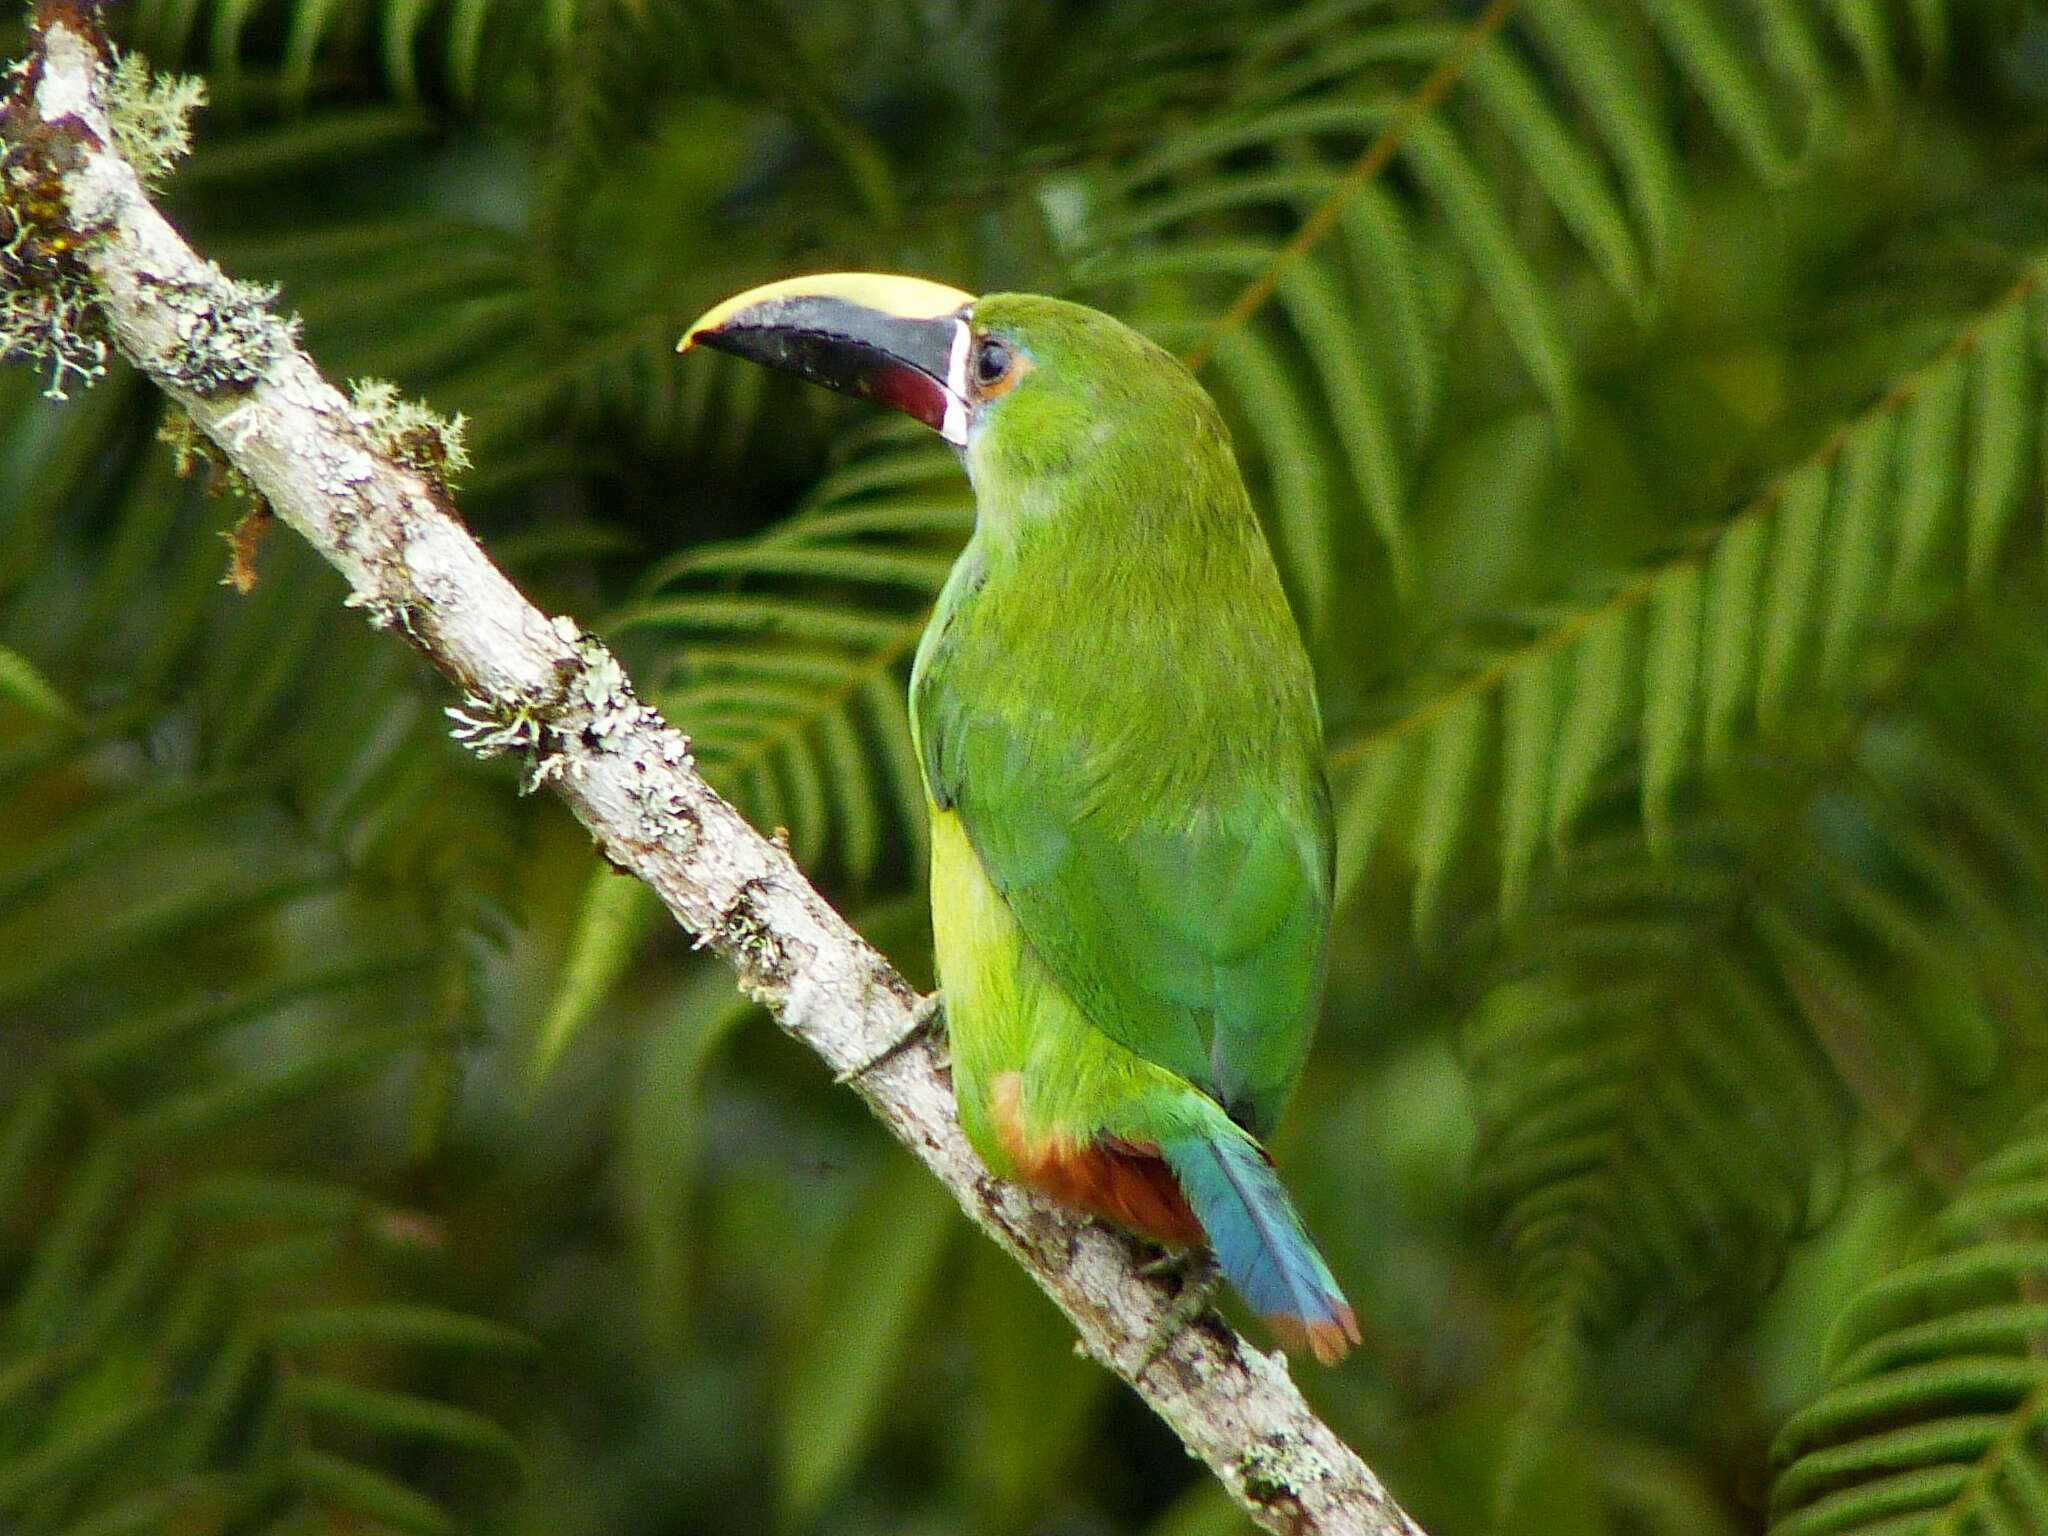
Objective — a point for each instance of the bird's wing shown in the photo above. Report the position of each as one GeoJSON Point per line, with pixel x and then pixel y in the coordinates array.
{"type": "Point", "coordinates": [1189, 926]}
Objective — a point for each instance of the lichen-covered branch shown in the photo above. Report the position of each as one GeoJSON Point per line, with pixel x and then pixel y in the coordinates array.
{"type": "Point", "coordinates": [87, 262]}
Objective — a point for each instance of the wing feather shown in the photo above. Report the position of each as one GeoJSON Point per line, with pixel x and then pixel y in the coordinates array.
{"type": "Point", "coordinates": [1191, 925]}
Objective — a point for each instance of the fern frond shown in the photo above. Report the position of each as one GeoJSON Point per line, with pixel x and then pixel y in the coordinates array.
{"type": "Point", "coordinates": [1936, 1393]}
{"type": "Point", "coordinates": [802, 721]}
{"type": "Point", "coordinates": [230, 905]}
{"type": "Point", "coordinates": [1487, 121]}
{"type": "Point", "coordinates": [1665, 1079]}
{"type": "Point", "coordinates": [322, 35]}
{"type": "Point", "coordinates": [1653, 1120]}
{"type": "Point", "coordinates": [1452, 57]}
{"type": "Point", "coordinates": [118, 1408]}
{"type": "Point", "coordinates": [1652, 1025]}
{"type": "Point", "coordinates": [1863, 539]}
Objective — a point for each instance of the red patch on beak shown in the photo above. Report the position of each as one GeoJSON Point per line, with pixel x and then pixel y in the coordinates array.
{"type": "Point", "coordinates": [911, 392]}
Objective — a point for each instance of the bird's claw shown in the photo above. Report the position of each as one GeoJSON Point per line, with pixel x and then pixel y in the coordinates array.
{"type": "Point", "coordinates": [922, 1023]}
{"type": "Point", "coordinates": [1200, 1279]}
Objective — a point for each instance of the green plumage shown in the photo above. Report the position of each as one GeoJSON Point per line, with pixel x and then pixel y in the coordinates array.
{"type": "Point", "coordinates": [1118, 730]}
{"type": "Point", "coordinates": [1117, 727]}
{"type": "Point", "coordinates": [1114, 697]}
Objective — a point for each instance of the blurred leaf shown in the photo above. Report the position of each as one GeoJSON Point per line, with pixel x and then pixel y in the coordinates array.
{"type": "Point", "coordinates": [366, 1492]}
{"type": "Point", "coordinates": [21, 682]}
{"type": "Point", "coordinates": [1033, 1394]}
{"type": "Point", "coordinates": [872, 1292]}
{"type": "Point", "coordinates": [617, 912]}
{"type": "Point", "coordinates": [661, 1132]}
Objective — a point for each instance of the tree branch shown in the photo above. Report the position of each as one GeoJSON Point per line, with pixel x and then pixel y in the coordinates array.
{"type": "Point", "coordinates": [86, 258]}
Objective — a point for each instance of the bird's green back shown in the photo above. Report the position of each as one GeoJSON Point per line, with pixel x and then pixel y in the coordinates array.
{"type": "Point", "coordinates": [1114, 698]}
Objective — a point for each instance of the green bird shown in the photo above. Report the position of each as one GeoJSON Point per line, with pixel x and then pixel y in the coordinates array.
{"type": "Point", "coordinates": [1123, 759]}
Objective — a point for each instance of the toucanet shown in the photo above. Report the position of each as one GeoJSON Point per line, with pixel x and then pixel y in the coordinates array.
{"type": "Point", "coordinates": [1123, 759]}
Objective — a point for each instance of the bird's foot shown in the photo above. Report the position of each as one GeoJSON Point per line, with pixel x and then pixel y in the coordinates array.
{"type": "Point", "coordinates": [1198, 1282]}
{"type": "Point", "coordinates": [923, 1022]}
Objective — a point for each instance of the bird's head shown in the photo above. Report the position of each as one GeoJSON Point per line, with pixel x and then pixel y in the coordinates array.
{"type": "Point", "coordinates": [1019, 382]}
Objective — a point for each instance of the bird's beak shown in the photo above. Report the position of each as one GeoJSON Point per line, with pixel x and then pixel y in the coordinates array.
{"type": "Point", "coordinates": [900, 340]}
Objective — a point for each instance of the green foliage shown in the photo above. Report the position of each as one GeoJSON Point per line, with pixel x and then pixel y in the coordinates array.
{"type": "Point", "coordinates": [241, 903]}
{"type": "Point", "coordinates": [789, 652]}
{"type": "Point", "coordinates": [1646, 405]}
{"type": "Point", "coordinates": [1931, 1416]}
{"type": "Point", "coordinates": [1854, 548]}
{"type": "Point", "coordinates": [872, 1293]}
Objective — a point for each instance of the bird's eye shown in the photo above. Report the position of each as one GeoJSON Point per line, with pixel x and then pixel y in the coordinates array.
{"type": "Point", "coordinates": [991, 361]}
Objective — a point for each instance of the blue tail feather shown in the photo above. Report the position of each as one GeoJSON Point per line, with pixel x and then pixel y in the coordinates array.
{"type": "Point", "coordinates": [1260, 1243]}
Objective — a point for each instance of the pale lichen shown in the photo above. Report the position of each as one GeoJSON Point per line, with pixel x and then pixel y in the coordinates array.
{"type": "Point", "coordinates": [49, 317]}
{"type": "Point", "coordinates": [149, 115]}
{"type": "Point", "coordinates": [227, 336]}
{"type": "Point", "coordinates": [411, 434]}
{"type": "Point", "coordinates": [751, 945]}
{"type": "Point", "coordinates": [490, 728]}
{"type": "Point", "coordinates": [1274, 1474]}
{"type": "Point", "coordinates": [665, 816]}
{"type": "Point", "coordinates": [53, 327]}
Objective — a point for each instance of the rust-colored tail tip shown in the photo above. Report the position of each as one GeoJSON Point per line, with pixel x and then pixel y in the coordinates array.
{"type": "Point", "coordinates": [1329, 1340]}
